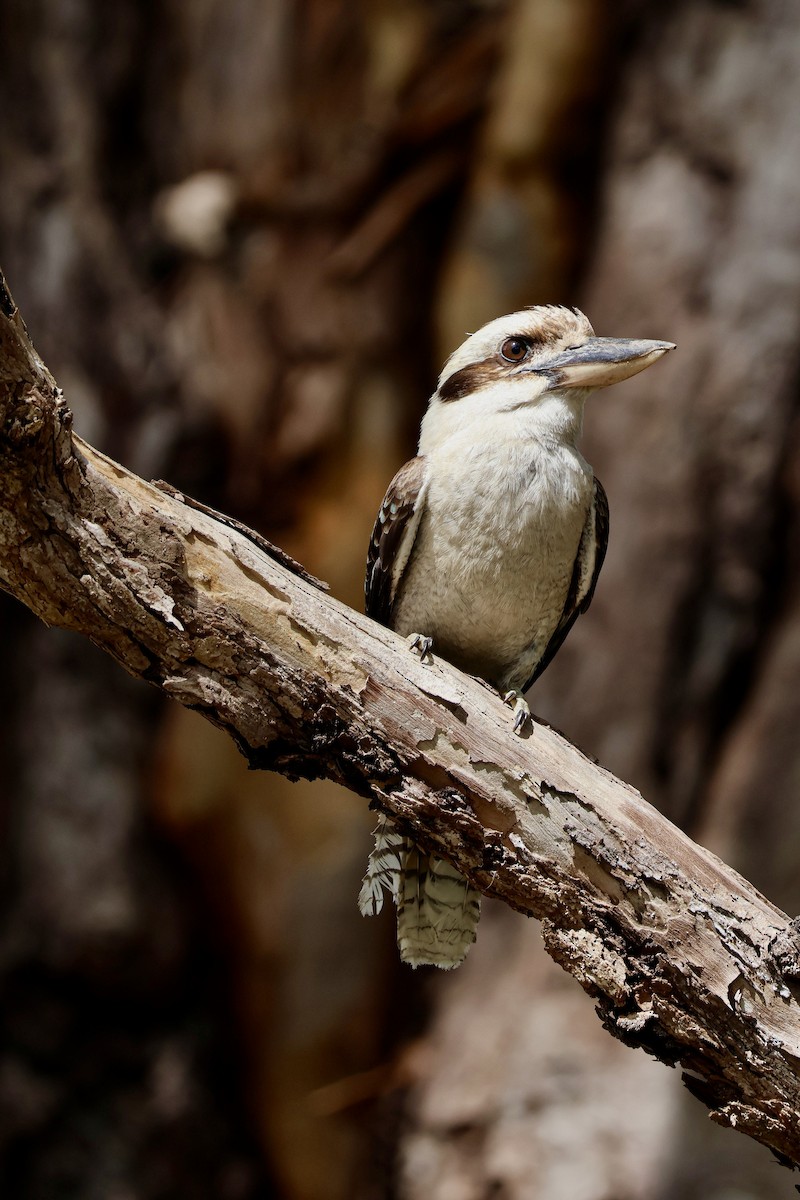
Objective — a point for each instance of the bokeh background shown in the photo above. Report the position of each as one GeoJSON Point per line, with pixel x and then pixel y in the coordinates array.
{"type": "Point", "coordinates": [244, 234]}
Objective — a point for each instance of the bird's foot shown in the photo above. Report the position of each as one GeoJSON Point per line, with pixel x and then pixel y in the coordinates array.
{"type": "Point", "coordinates": [422, 644]}
{"type": "Point", "coordinates": [522, 714]}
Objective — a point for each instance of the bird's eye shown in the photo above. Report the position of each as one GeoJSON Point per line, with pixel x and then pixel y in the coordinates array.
{"type": "Point", "coordinates": [514, 349]}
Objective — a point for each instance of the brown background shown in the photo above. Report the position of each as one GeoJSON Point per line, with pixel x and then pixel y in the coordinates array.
{"type": "Point", "coordinates": [244, 235]}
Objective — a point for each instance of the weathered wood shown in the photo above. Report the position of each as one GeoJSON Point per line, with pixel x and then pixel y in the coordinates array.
{"type": "Point", "coordinates": [684, 958]}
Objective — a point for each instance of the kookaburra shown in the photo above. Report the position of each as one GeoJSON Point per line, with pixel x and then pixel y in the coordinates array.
{"type": "Point", "coordinates": [487, 547]}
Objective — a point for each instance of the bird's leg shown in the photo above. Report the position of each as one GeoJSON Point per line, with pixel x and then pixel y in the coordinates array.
{"type": "Point", "coordinates": [421, 643]}
{"type": "Point", "coordinates": [522, 714]}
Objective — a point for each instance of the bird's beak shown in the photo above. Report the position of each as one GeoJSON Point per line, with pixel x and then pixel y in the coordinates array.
{"type": "Point", "coordinates": [601, 361]}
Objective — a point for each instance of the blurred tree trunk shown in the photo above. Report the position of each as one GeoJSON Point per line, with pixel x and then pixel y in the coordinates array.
{"type": "Point", "coordinates": [243, 236]}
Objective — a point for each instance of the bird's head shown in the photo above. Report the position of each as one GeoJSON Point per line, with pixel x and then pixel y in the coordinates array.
{"type": "Point", "coordinates": [527, 360]}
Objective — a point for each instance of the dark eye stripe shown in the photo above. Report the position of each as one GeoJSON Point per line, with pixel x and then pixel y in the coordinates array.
{"type": "Point", "coordinates": [474, 376]}
{"type": "Point", "coordinates": [469, 379]}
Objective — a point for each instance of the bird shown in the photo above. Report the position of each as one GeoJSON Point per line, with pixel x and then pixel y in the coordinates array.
{"type": "Point", "coordinates": [486, 548]}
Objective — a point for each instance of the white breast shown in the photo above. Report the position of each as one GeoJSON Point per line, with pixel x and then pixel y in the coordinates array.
{"type": "Point", "coordinates": [495, 550]}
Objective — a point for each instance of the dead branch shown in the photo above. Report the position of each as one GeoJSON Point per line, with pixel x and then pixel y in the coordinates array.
{"type": "Point", "coordinates": [684, 957]}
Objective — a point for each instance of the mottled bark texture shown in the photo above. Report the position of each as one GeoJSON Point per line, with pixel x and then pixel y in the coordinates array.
{"type": "Point", "coordinates": [684, 958]}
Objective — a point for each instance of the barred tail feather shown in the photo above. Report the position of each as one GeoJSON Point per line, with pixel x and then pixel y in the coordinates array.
{"type": "Point", "coordinates": [384, 868]}
{"type": "Point", "coordinates": [437, 909]}
{"type": "Point", "coordinates": [437, 913]}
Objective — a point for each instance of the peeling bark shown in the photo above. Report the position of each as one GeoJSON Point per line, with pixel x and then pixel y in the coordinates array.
{"type": "Point", "coordinates": [685, 959]}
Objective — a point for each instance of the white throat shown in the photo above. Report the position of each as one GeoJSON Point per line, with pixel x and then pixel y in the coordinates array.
{"type": "Point", "coordinates": [505, 411]}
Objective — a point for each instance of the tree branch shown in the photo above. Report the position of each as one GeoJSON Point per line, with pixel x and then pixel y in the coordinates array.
{"type": "Point", "coordinates": [684, 957]}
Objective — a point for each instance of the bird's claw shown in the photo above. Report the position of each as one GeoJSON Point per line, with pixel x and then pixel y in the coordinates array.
{"type": "Point", "coordinates": [522, 714]}
{"type": "Point", "coordinates": [421, 643]}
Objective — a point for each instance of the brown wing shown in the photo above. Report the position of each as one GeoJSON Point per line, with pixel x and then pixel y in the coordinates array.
{"type": "Point", "coordinates": [393, 538]}
{"type": "Point", "coordinates": [589, 560]}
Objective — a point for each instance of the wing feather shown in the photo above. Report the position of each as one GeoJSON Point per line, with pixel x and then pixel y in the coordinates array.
{"type": "Point", "coordinates": [588, 561]}
{"type": "Point", "coordinates": [393, 538]}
